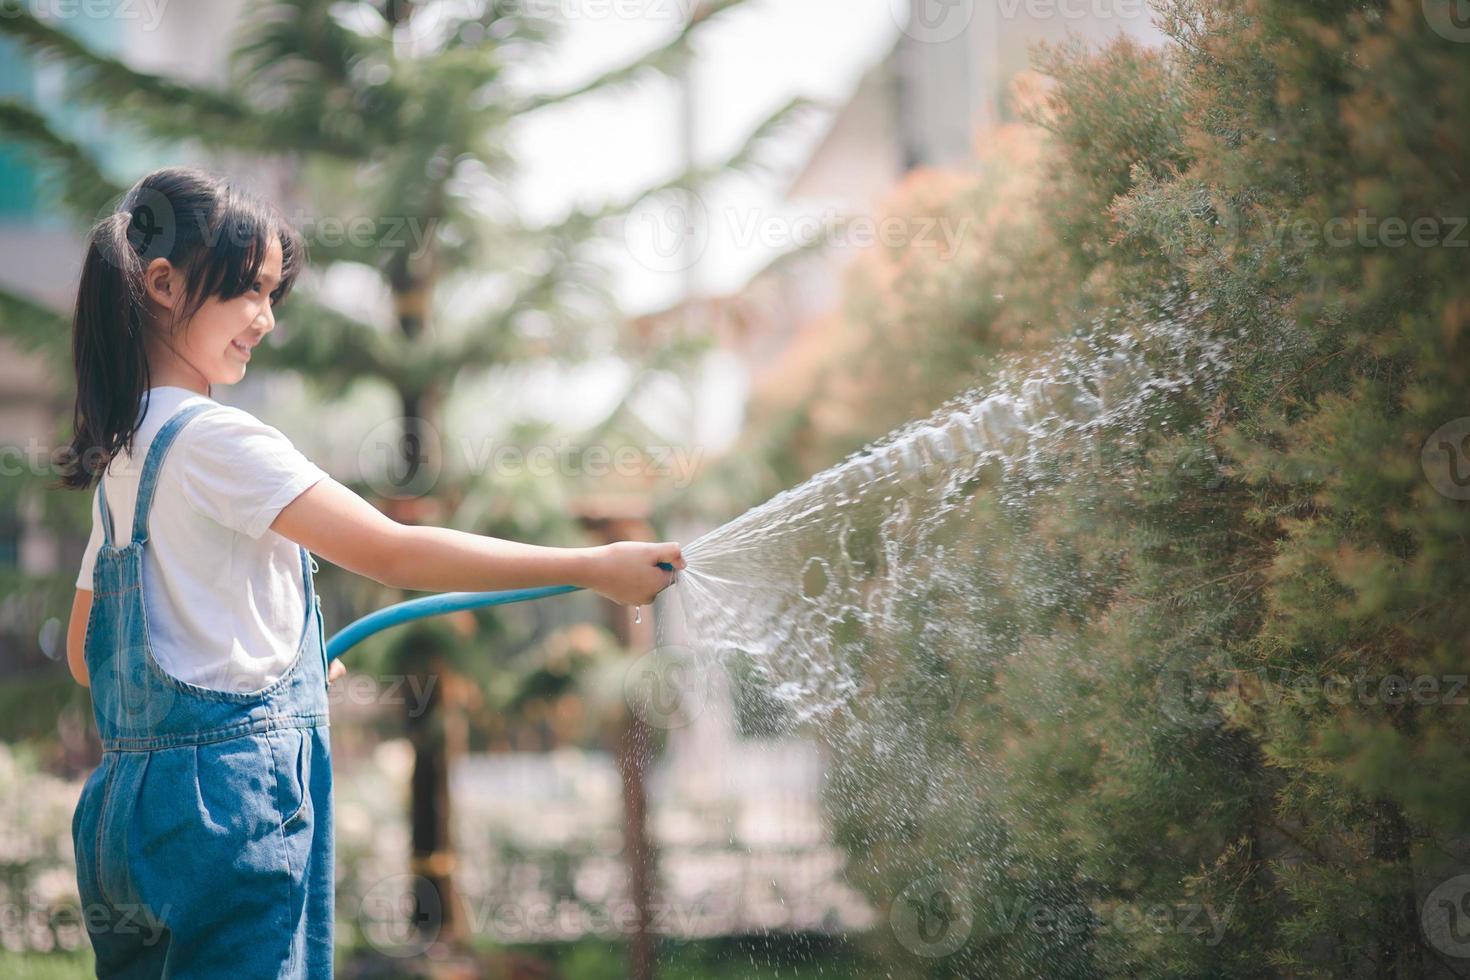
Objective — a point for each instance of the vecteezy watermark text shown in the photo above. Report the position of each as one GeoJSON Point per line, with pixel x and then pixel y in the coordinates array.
{"type": "Point", "coordinates": [405, 457]}
{"type": "Point", "coordinates": [149, 12]}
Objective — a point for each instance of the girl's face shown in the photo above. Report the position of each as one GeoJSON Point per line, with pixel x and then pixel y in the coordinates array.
{"type": "Point", "coordinates": [214, 346]}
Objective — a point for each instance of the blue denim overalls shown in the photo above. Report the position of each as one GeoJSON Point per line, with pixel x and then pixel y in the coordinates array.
{"type": "Point", "coordinates": [204, 838]}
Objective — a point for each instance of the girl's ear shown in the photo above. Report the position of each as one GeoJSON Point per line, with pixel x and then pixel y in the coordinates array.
{"type": "Point", "coordinates": [163, 283]}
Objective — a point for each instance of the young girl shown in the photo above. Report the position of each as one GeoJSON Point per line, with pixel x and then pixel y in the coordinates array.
{"type": "Point", "coordinates": [204, 838]}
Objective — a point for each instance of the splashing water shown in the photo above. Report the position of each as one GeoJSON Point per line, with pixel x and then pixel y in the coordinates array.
{"type": "Point", "coordinates": [811, 585]}
{"type": "Point", "coordinates": [880, 605]}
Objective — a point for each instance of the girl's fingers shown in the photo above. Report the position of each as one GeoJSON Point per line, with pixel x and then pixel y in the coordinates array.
{"type": "Point", "coordinates": [335, 671]}
{"type": "Point", "coordinates": [672, 554]}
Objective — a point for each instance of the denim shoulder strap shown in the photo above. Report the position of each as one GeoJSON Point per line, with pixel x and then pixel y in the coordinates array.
{"type": "Point", "coordinates": [156, 452]}
{"type": "Point", "coordinates": [101, 499]}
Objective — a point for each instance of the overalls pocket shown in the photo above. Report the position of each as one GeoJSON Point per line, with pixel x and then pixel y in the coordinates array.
{"type": "Point", "coordinates": [86, 825]}
{"type": "Point", "coordinates": [291, 749]}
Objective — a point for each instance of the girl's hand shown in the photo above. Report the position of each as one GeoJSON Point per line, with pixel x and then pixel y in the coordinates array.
{"type": "Point", "coordinates": [336, 671]}
{"type": "Point", "coordinates": [627, 572]}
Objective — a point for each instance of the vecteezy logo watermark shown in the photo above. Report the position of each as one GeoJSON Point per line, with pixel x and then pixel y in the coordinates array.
{"type": "Point", "coordinates": [1450, 19]}
{"type": "Point", "coordinates": [833, 228]}
{"type": "Point", "coordinates": [510, 921]}
{"type": "Point", "coordinates": [51, 638]}
{"type": "Point", "coordinates": [400, 915]}
{"type": "Point", "coordinates": [1186, 695]}
{"type": "Point", "coordinates": [673, 234]}
{"type": "Point", "coordinates": [932, 21]}
{"type": "Point", "coordinates": [1446, 459]}
{"type": "Point", "coordinates": [1076, 918]}
{"type": "Point", "coordinates": [150, 12]}
{"type": "Point", "coordinates": [404, 457]}
{"type": "Point", "coordinates": [138, 697]}
{"type": "Point", "coordinates": [933, 916]}
{"type": "Point", "coordinates": [152, 228]}
{"type": "Point", "coordinates": [1264, 686]}
{"type": "Point", "coordinates": [400, 458]}
{"type": "Point", "coordinates": [42, 926]}
{"type": "Point", "coordinates": [38, 459]}
{"type": "Point", "coordinates": [412, 692]}
{"type": "Point", "coordinates": [669, 232]}
{"type": "Point", "coordinates": [1074, 9]}
{"type": "Point", "coordinates": [667, 687]}
{"type": "Point", "coordinates": [432, 24]}
{"type": "Point", "coordinates": [409, 233]}
{"type": "Point", "coordinates": [1445, 917]}
{"type": "Point", "coordinates": [1224, 226]}
{"type": "Point", "coordinates": [1373, 231]}
{"type": "Point", "coordinates": [640, 11]}
{"type": "Point", "coordinates": [424, 26]}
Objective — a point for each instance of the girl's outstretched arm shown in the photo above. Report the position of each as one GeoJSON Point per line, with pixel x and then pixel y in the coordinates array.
{"type": "Point", "coordinates": [331, 521]}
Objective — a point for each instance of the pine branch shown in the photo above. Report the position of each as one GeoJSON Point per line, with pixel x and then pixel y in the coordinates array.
{"type": "Point", "coordinates": [496, 342]}
{"type": "Point", "coordinates": [165, 108]}
{"type": "Point", "coordinates": [109, 80]}
{"type": "Point", "coordinates": [664, 59]}
{"type": "Point", "coordinates": [296, 62]}
{"type": "Point", "coordinates": [744, 160]}
{"type": "Point", "coordinates": [79, 183]}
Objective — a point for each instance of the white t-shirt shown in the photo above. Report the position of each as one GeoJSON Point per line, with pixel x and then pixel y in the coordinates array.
{"type": "Point", "coordinates": [224, 593]}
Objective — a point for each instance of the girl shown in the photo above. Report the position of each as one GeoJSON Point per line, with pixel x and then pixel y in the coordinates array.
{"type": "Point", "coordinates": [204, 838]}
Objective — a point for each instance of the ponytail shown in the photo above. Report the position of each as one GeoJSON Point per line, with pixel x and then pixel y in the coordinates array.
{"type": "Point", "coordinates": [106, 351]}
{"type": "Point", "coordinates": [201, 224]}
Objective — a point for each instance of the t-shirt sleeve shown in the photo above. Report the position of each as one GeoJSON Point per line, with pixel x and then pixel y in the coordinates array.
{"type": "Point", "coordinates": [240, 472]}
{"type": "Point", "coordinates": [89, 556]}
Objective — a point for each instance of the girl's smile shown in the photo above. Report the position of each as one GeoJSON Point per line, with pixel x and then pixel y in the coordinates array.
{"type": "Point", "coordinates": [189, 357]}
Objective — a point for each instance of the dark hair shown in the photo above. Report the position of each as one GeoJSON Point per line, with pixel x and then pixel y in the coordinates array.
{"type": "Point", "coordinates": [216, 235]}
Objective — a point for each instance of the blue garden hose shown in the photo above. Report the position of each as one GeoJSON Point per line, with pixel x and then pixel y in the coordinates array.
{"type": "Point", "coordinates": [360, 629]}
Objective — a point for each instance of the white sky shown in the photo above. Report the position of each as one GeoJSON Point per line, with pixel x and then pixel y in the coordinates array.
{"type": "Point", "coordinates": [750, 62]}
